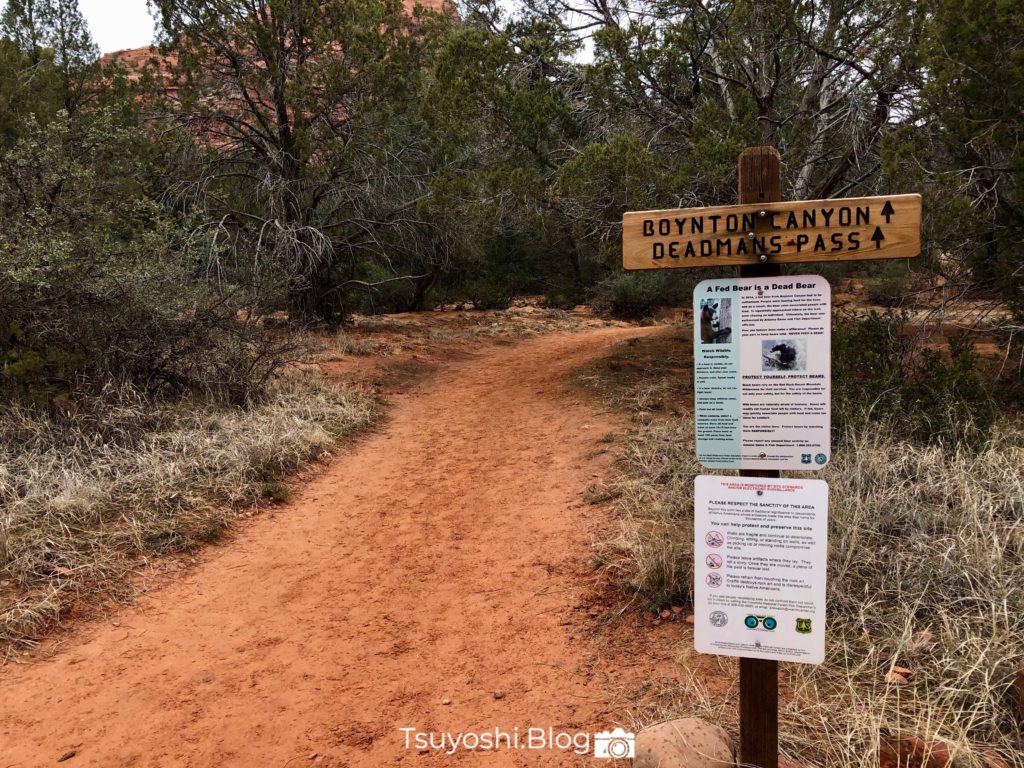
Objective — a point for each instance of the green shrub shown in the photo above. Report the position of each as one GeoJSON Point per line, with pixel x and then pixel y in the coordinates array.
{"type": "Point", "coordinates": [563, 296]}
{"type": "Point", "coordinates": [890, 285]}
{"type": "Point", "coordinates": [510, 264]}
{"type": "Point", "coordinates": [101, 282]}
{"type": "Point", "coordinates": [31, 370]}
{"type": "Point", "coordinates": [636, 295]}
{"type": "Point", "coordinates": [488, 294]}
{"type": "Point", "coordinates": [883, 368]}
{"type": "Point", "coordinates": [276, 491]}
{"type": "Point", "coordinates": [384, 294]}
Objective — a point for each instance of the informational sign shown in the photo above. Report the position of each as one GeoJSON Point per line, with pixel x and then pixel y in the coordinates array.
{"type": "Point", "coordinates": [846, 229]}
{"type": "Point", "coordinates": [760, 550]}
{"type": "Point", "coordinates": [763, 372]}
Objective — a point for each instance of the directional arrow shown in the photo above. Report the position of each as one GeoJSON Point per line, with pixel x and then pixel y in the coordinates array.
{"type": "Point", "coordinates": [887, 211]}
{"type": "Point", "coordinates": [878, 237]}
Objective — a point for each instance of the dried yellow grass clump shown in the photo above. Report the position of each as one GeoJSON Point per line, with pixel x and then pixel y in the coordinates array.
{"type": "Point", "coordinates": [83, 497]}
{"type": "Point", "coordinates": [926, 572]}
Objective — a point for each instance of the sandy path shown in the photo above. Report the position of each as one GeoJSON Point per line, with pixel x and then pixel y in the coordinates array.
{"type": "Point", "coordinates": [438, 561]}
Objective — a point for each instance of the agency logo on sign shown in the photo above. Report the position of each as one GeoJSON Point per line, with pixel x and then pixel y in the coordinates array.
{"type": "Point", "coordinates": [821, 458]}
{"type": "Point", "coordinates": [766, 623]}
{"type": "Point", "coordinates": [719, 618]}
{"type": "Point", "coordinates": [803, 626]}
{"type": "Point", "coordinates": [805, 458]}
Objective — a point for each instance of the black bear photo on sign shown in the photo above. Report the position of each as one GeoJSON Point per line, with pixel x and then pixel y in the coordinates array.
{"type": "Point", "coordinates": [783, 355]}
{"type": "Point", "coordinates": [715, 321]}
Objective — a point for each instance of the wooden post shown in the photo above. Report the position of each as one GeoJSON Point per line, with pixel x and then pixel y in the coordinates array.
{"type": "Point", "coordinates": [760, 182]}
{"type": "Point", "coordinates": [881, 227]}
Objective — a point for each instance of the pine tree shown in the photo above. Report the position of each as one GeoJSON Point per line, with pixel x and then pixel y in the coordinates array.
{"type": "Point", "coordinates": [23, 24]}
{"type": "Point", "coordinates": [53, 35]}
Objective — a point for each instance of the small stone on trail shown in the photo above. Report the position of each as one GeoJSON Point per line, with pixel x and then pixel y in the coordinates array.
{"type": "Point", "coordinates": [684, 743]}
{"type": "Point", "coordinates": [902, 671]}
{"type": "Point", "coordinates": [665, 613]}
{"type": "Point", "coordinates": [499, 695]}
{"type": "Point", "coordinates": [446, 702]}
{"type": "Point", "coordinates": [1018, 692]}
{"type": "Point", "coordinates": [895, 678]}
{"type": "Point", "coordinates": [67, 756]}
{"type": "Point", "coordinates": [992, 760]}
{"type": "Point", "coordinates": [903, 751]}
{"type": "Point", "coordinates": [690, 619]}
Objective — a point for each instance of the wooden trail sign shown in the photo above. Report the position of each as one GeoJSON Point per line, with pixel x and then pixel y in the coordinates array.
{"type": "Point", "coordinates": [845, 229]}
{"type": "Point", "coordinates": [758, 236]}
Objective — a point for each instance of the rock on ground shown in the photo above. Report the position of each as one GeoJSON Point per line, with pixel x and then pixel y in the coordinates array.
{"type": "Point", "coordinates": [1018, 692]}
{"type": "Point", "coordinates": [912, 752]}
{"type": "Point", "coordinates": [684, 743]}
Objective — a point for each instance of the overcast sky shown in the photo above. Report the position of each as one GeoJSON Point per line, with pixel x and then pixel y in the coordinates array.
{"type": "Point", "coordinates": [116, 24]}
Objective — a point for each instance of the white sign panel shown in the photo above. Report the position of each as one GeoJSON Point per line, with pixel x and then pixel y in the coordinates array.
{"type": "Point", "coordinates": [763, 372]}
{"type": "Point", "coordinates": [760, 549]}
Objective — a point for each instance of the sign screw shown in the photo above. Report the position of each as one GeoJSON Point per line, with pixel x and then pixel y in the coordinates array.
{"type": "Point", "coordinates": [764, 257]}
{"type": "Point", "coordinates": [762, 214]}
{"type": "Point", "coordinates": [750, 235]}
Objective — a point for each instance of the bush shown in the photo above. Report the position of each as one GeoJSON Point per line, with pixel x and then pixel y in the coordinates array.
{"type": "Point", "coordinates": [881, 368]}
{"type": "Point", "coordinates": [30, 370]}
{"type": "Point", "coordinates": [564, 296]}
{"type": "Point", "coordinates": [636, 295]}
{"type": "Point", "coordinates": [101, 283]}
{"type": "Point", "coordinates": [890, 285]}
{"type": "Point", "coordinates": [384, 296]}
{"type": "Point", "coordinates": [488, 294]}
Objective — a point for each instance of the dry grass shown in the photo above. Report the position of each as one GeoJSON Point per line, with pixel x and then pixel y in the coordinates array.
{"type": "Point", "coordinates": [926, 571]}
{"type": "Point", "coordinates": [652, 554]}
{"type": "Point", "coordinates": [424, 332]}
{"type": "Point", "coordinates": [345, 343]}
{"type": "Point", "coordinates": [84, 499]}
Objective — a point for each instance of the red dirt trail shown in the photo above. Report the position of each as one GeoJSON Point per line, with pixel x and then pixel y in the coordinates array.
{"type": "Point", "coordinates": [440, 560]}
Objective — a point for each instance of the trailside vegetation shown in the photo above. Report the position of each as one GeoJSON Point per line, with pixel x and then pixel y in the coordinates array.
{"type": "Point", "coordinates": [170, 226]}
{"type": "Point", "coordinates": [926, 547]}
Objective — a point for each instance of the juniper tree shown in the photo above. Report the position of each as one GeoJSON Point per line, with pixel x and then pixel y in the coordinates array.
{"type": "Point", "coordinates": [311, 157]}
{"type": "Point", "coordinates": [54, 40]}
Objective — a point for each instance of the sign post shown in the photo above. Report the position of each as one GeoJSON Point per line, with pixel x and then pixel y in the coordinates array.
{"type": "Point", "coordinates": [757, 236]}
{"type": "Point", "coordinates": [760, 181]}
